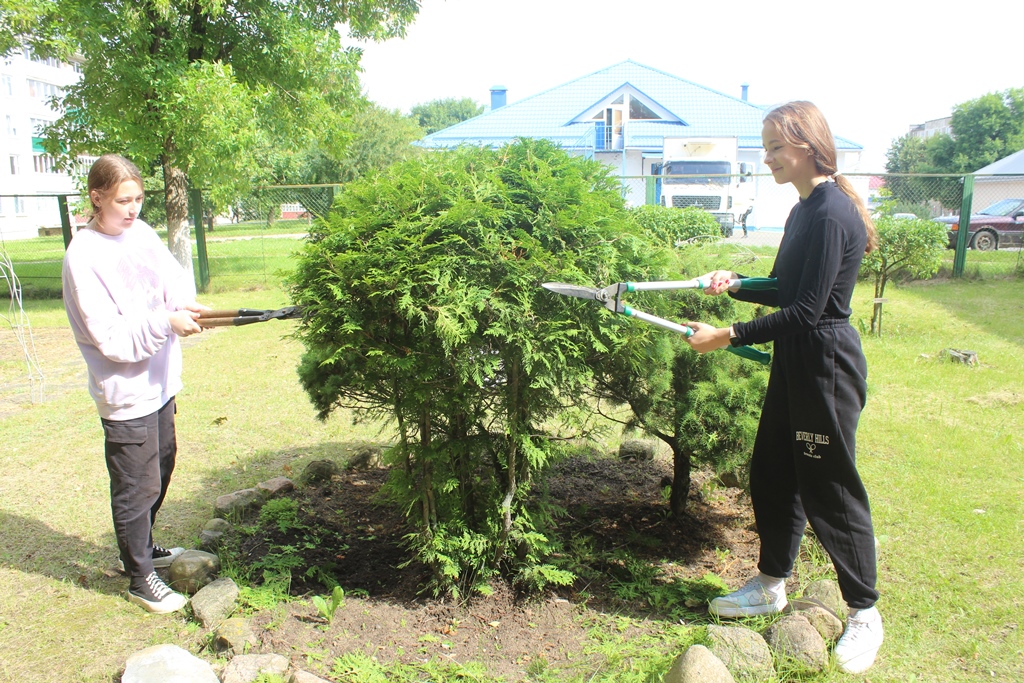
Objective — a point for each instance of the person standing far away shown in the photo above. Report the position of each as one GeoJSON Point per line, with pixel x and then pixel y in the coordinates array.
{"type": "Point", "coordinates": [803, 467]}
{"type": "Point", "coordinates": [129, 301]}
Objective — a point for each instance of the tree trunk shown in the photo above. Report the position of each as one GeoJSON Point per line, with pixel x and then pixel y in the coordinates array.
{"type": "Point", "coordinates": [179, 239]}
{"type": "Point", "coordinates": [681, 466]}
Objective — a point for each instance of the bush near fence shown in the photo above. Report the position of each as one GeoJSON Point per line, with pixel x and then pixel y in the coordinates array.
{"type": "Point", "coordinates": [251, 242]}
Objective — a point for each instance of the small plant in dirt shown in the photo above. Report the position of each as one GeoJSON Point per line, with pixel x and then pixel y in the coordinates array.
{"type": "Point", "coordinates": [424, 307]}
{"type": "Point", "coordinates": [327, 607]}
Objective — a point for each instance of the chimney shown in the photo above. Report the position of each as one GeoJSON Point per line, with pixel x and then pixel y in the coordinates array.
{"type": "Point", "coordinates": [743, 92]}
{"type": "Point", "coordinates": [497, 97]}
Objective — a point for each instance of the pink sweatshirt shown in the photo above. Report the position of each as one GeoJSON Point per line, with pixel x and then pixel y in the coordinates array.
{"type": "Point", "coordinates": [118, 293]}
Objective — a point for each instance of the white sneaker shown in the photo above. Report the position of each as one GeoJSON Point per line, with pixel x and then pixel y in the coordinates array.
{"type": "Point", "coordinates": [153, 595]}
{"type": "Point", "coordinates": [752, 600]}
{"type": "Point", "coordinates": [162, 557]}
{"type": "Point", "coordinates": [856, 650]}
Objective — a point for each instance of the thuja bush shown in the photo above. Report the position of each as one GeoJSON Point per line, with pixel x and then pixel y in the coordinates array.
{"type": "Point", "coordinates": [705, 407]}
{"type": "Point", "coordinates": [674, 226]}
{"type": "Point", "coordinates": [424, 307]}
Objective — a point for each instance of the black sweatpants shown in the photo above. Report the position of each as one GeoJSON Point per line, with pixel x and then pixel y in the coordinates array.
{"type": "Point", "coordinates": [803, 467]}
{"type": "Point", "coordinates": [140, 456]}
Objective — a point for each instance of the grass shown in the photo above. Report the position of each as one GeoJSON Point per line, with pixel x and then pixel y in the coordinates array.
{"type": "Point", "coordinates": [940, 448]}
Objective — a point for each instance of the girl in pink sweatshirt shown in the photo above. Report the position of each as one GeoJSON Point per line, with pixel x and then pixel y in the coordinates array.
{"type": "Point", "coordinates": [128, 302]}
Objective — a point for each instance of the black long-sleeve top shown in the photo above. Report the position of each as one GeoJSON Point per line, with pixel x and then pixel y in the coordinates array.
{"type": "Point", "coordinates": [816, 266]}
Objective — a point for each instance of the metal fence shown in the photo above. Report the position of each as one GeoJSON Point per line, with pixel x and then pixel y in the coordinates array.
{"type": "Point", "coordinates": [252, 241]}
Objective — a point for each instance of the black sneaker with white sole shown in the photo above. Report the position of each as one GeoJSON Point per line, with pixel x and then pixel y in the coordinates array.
{"type": "Point", "coordinates": [162, 557]}
{"type": "Point", "coordinates": [153, 595]}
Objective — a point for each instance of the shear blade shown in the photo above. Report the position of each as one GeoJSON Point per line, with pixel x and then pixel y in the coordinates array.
{"type": "Point", "coordinates": [573, 290]}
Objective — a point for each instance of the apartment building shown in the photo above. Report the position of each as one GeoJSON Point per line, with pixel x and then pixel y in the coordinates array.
{"type": "Point", "coordinates": [29, 85]}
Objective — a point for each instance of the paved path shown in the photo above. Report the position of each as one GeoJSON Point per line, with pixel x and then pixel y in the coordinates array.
{"type": "Point", "coordinates": [756, 238]}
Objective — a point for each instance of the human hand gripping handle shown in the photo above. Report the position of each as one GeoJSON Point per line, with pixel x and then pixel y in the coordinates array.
{"type": "Point", "coordinates": [183, 322]}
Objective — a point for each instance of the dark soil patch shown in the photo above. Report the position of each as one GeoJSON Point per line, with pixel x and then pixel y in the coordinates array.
{"type": "Point", "coordinates": [615, 509]}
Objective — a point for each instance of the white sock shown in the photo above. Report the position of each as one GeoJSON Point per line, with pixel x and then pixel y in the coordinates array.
{"type": "Point", "coordinates": [775, 585]}
{"type": "Point", "coordinates": [865, 614]}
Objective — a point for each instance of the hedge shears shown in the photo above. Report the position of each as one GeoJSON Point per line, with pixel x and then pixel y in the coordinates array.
{"type": "Point", "coordinates": [245, 316]}
{"type": "Point", "coordinates": [611, 297]}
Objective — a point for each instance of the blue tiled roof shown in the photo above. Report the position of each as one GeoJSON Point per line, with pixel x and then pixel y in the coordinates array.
{"type": "Point", "coordinates": [552, 114]}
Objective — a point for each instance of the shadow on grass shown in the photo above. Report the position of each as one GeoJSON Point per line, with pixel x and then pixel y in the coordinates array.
{"type": "Point", "coordinates": [30, 546]}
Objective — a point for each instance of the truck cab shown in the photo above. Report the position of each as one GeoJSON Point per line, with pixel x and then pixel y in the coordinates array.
{"type": "Point", "coordinates": [705, 172]}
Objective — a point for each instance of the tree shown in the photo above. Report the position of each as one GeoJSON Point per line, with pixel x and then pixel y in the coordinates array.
{"type": "Point", "coordinates": [910, 248]}
{"type": "Point", "coordinates": [424, 306]}
{"type": "Point", "coordinates": [197, 88]}
{"type": "Point", "coordinates": [439, 114]}
{"type": "Point", "coordinates": [905, 156]}
{"type": "Point", "coordinates": [17, 19]}
{"type": "Point", "coordinates": [704, 407]}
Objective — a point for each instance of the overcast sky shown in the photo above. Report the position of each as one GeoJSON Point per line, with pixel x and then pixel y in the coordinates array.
{"type": "Point", "coordinates": [874, 67]}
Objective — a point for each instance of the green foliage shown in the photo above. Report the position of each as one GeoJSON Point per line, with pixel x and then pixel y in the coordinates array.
{"type": "Point", "coordinates": [206, 89]}
{"type": "Point", "coordinates": [327, 608]}
{"type": "Point", "coordinates": [906, 248]}
{"type": "Point", "coordinates": [424, 306]}
{"type": "Point", "coordinates": [704, 407]}
{"type": "Point", "coordinates": [984, 130]}
{"type": "Point", "coordinates": [439, 114]}
{"type": "Point", "coordinates": [282, 513]}
{"type": "Point", "coordinates": [675, 226]}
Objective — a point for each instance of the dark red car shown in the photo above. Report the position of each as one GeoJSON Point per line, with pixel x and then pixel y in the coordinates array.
{"type": "Point", "coordinates": [998, 227]}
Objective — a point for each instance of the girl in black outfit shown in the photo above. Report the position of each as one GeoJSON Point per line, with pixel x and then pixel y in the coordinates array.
{"type": "Point", "coordinates": [803, 466]}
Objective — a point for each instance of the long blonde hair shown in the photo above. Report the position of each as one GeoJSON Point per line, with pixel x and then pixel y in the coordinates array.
{"type": "Point", "coordinates": [106, 173]}
{"type": "Point", "coordinates": [802, 125]}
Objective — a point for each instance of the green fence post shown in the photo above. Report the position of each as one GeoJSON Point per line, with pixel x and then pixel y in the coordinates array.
{"type": "Point", "coordinates": [196, 201]}
{"type": "Point", "coordinates": [65, 220]}
{"type": "Point", "coordinates": [652, 191]}
{"type": "Point", "coordinates": [965, 222]}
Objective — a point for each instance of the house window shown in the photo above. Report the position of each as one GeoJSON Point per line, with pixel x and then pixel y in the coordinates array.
{"type": "Point", "coordinates": [19, 205]}
{"type": "Point", "coordinates": [14, 164]}
{"type": "Point", "coordinates": [41, 90]}
{"type": "Point", "coordinates": [638, 111]}
{"type": "Point", "coordinates": [7, 86]}
{"type": "Point", "coordinates": [12, 130]}
{"type": "Point", "coordinates": [44, 163]}
{"type": "Point", "coordinates": [38, 126]}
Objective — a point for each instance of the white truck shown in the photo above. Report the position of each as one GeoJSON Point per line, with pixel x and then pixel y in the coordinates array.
{"type": "Point", "coordinates": [729, 196]}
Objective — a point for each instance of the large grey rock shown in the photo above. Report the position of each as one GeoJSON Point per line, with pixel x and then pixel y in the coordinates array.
{"type": "Point", "coordinates": [826, 592]}
{"type": "Point", "coordinates": [825, 623]}
{"type": "Point", "coordinates": [233, 635]}
{"type": "Point", "coordinates": [235, 505]}
{"type": "Point", "coordinates": [210, 541]}
{"type": "Point", "coordinates": [271, 488]}
{"type": "Point", "coordinates": [744, 652]}
{"type": "Point", "coordinates": [192, 570]}
{"type": "Point", "coordinates": [215, 602]}
{"type": "Point", "coordinates": [636, 449]}
{"type": "Point", "coordinates": [698, 665]}
{"type": "Point", "coordinates": [212, 535]}
{"type": "Point", "coordinates": [166, 664]}
{"type": "Point", "coordinates": [366, 457]}
{"type": "Point", "coordinates": [318, 471]}
{"type": "Point", "coordinates": [792, 638]}
{"type": "Point", "coordinates": [247, 668]}
{"type": "Point", "coordinates": [218, 524]}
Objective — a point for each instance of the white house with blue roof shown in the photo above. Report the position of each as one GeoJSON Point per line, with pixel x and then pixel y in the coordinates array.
{"type": "Point", "coordinates": [623, 114]}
